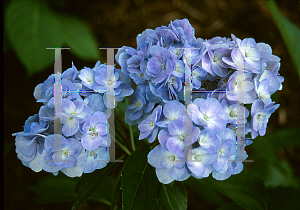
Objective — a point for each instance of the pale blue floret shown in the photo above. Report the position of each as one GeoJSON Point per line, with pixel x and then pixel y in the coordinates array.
{"type": "Point", "coordinates": [95, 131]}
{"type": "Point", "coordinates": [171, 111]}
{"type": "Point", "coordinates": [96, 159]}
{"type": "Point", "coordinates": [68, 158]}
{"type": "Point", "coordinates": [148, 128]}
{"type": "Point", "coordinates": [199, 162]}
{"type": "Point", "coordinates": [208, 113]}
{"type": "Point", "coordinates": [178, 136]}
{"type": "Point", "coordinates": [260, 117]}
{"type": "Point", "coordinates": [169, 166]}
{"type": "Point", "coordinates": [73, 113]}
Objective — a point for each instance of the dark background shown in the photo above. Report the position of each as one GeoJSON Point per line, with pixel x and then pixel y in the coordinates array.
{"type": "Point", "coordinates": [116, 24]}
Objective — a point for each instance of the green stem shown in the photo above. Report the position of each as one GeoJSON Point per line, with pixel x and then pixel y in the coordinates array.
{"type": "Point", "coordinates": [120, 138]}
{"type": "Point", "coordinates": [105, 201]}
{"type": "Point", "coordinates": [132, 138]}
{"type": "Point", "coordinates": [123, 147]}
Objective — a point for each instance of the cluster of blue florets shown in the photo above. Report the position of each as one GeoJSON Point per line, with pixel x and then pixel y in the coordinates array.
{"type": "Point", "coordinates": [154, 77]}
{"type": "Point", "coordinates": [157, 67]}
{"type": "Point", "coordinates": [84, 142]}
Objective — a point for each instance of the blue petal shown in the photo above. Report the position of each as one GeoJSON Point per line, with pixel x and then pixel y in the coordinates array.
{"type": "Point", "coordinates": [155, 157]}
{"type": "Point", "coordinates": [163, 175]}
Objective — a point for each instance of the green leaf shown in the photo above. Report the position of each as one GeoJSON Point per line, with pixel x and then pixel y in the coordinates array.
{"type": "Point", "coordinates": [208, 193]}
{"type": "Point", "coordinates": [275, 178]}
{"type": "Point", "coordinates": [91, 184]}
{"type": "Point", "coordinates": [139, 182]}
{"type": "Point", "coordinates": [60, 188]}
{"type": "Point", "coordinates": [289, 32]}
{"type": "Point", "coordinates": [79, 38]}
{"type": "Point", "coordinates": [244, 189]}
{"type": "Point", "coordinates": [172, 197]}
{"type": "Point", "coordinates": [266, 147]}
{"type": "Point", "coordinates": [31, 28]}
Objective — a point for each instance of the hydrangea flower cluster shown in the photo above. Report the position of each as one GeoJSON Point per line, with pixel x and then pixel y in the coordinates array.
{"type": "Point", "coordinates": [225, 74]}
{"type": "Point", "coordinates": [195, 138]}
{"type": "Point", "coordinates": [84, 143]}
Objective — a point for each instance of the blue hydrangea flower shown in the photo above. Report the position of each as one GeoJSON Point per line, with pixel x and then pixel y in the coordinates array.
{"type": "Point", "coordinates": [168, 90]}
{"type": "Point", "coordinates": [69, 91]}
{"type": "Point", "coordinates": [168, 166]}
{"type": "Point", "coordinates": [199, 162]}
{"type": "Point", "coordinates": [179, 69]}
{"type": "Point", "coordinates": [122, 57]}
{"type": "Point", "coordinates": [231, 109]}
{"type": "Point", "coordinates": [260, 117]}
{"type": "Point", "coordinates": [148, 35]}
{"type": "Point", "coordinates": [110, 83]}
{"type": "Point", "coordinates": [95, 102]}
{"type": "Point", "coordinates": [245, 57]}
{"type": "Point", "coordinates": [208, 140]}
{"type": "Point", "coordinates": [73, 113]}
{"type": "Point", "coordinates": [41, 89]}
{"type": "Point", "coordinates": [70, 74]}
{"type": "Point", "coordinates": [233, 168]}
{"type": "Point", "coordinates": [96, 159]}
{"type": "Point", "coordinates": [148, 128]}
{"type": "Point", "coordinates": [212, 61]}
{"type": "Point", "coordinates": [172, 110]}
{"type": "Point", "coordinates": [30, 142]}
{"type": "Point", "coordinates": [46, 113]}
{"type": "Point", "coordinates": [67, 157]}
{"type": "Point", "coordinates": [161, 64]}
{"type": "Point", "coordinates": [135, 112]}
{"type": "Point", "coordinates": [273, 78]}
{"type": "Point", "coordinates": [184, 30]}
{"type": "Point", "coordinates": [198, 75]}
{"type": "Point", "coordinates": [95, 132]}
{"type": "Point", "coordinates": [193, 55]}
{"type": "Point", "coordinates": [208, 113]}
{"type": "Point", "coordinates": [87, 77]}
{"type": "Point", "coordinates": [262, 90]}
{"type": "Point", "coordinates": [166, 37]}
{"type": "Point", "coordinates": [250, 52]}
{"type": "Point", "coordinates": [227, 148]}
{"type": "Point", "coordinates": [177, 50]}
{"type": "Point", "coordinates": [234, 91]}
{"type": "Point", "coordinates": [175, 138]}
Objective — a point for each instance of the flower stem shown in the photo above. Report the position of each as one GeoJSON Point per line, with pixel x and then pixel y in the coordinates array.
{"type": "Point", "coordinates": [132, 138]}
{"type": "Point", "coordinates": [123, 147]}
{"type": "Point", "coordinates": [114, 198]}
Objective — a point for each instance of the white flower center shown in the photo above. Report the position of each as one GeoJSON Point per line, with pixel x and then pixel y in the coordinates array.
{"type": "Point", "coordinates": [65, 152]}
{"type": "Point", "coordinates": [172, 157]}
{"type": "Point", "coordinates": [197, 157]}
{"type": "Point", "coordinates": [261, 117]}
{"type": "Point", "coordinates": [232, 114]}
{"type": "Point", "coordinates": [138, 104]}
{"type": "Point", "coordinates": [151, 124]}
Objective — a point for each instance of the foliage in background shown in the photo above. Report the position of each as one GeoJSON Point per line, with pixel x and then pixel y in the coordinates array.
{"type": "Point", "coordinates": [289, 32]}
{"type": "Point", "coordinates": [31, 27]}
